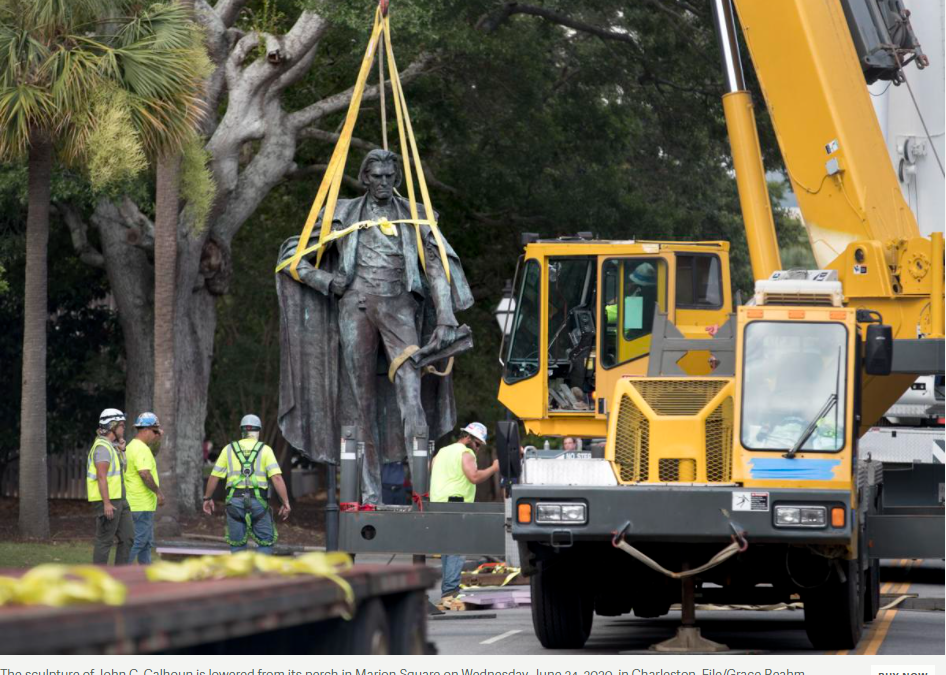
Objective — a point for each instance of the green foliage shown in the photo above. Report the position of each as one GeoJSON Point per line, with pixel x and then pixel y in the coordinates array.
{"type": "Point", "coordinates": [84, 366]}
{"type": "Point", "coordinates": [245, 370]}
{"type": "Point", "coordinates": [115, 150]}
{"type": "Point", "coordinates": [57, 58]}
{"type": "Point", "coordinates": [197, 183]}
{"type": "Point", "coordinates": [263, 17]}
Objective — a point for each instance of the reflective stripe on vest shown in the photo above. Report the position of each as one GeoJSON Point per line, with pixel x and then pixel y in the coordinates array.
{"type": "Point", "coordinates": [235, 476]}
{"type": "Point", "coordinates": [113, 478]}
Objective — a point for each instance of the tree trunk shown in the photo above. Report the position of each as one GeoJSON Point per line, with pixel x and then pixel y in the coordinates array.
{"type": "Point", "coordinates": [166, 336]}
{"type": "Point", "coordinates": [34, 509]}
{"type": "Point", "coordinates": [196, 325]}
{"type": "Point", "coordinates": [165, 278]}
{"type": "Point", "coordinates": [130, 278]}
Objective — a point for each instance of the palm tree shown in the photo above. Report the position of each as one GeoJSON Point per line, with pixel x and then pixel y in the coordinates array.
{"type": "Point", "coordinates": [65, 67]}
{"type": "Point", "coordinates": [166, 212]}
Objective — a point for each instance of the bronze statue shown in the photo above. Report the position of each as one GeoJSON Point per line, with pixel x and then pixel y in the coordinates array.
{"type": "Point", "coordinates": [370, 291]}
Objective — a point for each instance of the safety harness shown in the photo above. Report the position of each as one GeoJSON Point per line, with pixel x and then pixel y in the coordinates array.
{"type": "Point", "coordinates": [251, 482]}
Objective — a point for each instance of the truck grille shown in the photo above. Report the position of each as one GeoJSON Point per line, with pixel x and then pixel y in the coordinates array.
{"type": "Point", "coordinates": [672, 430]}
{"type": "Point", "coordinates": [631, 442]}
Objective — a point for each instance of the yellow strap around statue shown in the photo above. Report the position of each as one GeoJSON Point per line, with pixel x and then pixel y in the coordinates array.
{"type": "Point", "coordinates": [331, 181]}
{"type": "Point", "coordinates": [386, 226]}
{"type": "Point", "coordinates": [400, 104]}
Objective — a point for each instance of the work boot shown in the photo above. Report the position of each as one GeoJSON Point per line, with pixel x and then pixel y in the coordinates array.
{"type": "Point", "coordinates": [450, 601]}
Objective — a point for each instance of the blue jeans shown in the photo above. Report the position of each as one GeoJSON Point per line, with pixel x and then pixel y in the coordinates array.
{"type": "Point", "coordinates": [263, 530]}
{"type": "Point", "coordinates": [452, 568]}
{"type": "Point", "coordinates": [144, 537]}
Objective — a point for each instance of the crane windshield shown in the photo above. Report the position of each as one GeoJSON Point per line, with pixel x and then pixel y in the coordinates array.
{"type": "Point", "coordinates": [789, 371]}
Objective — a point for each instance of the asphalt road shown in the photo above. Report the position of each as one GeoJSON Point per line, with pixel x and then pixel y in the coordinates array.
{"type": "Point", "coordinates": [895, 631]}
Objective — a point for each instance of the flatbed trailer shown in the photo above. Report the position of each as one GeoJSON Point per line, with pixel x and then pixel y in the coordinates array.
{"type": "Point", "coordinates": [263, 614]}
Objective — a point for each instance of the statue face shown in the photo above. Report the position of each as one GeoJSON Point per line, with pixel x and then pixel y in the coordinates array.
{"type": "Point", "coordinates": [380, 178]}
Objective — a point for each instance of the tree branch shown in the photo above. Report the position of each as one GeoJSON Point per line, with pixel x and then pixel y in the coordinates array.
{"type": "Point", "coordinates": [302, 42]}
{"type": "Point", "coordinates": [239, 53]}
{"type": "Point", "coordinates": [140, 229]}
{"type": "Point", "coordinates": [331, 137]}
{"type": "Point", "coordinates": [337, 102]}
{"type": "Point", "coordinates": [228, 10]}
{"type": "Point", "coordinates": [491, 22]}
{"type": "Point", "coordinates": [303, 172]}
{"type": "Point", "coordinates": [79, 232]}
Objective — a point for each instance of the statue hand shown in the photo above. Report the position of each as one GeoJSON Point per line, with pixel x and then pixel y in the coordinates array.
{"type": "Point", "coordinates": [443, 337]}
{"type": "Point", "coordinates": [338, 284]}
{"type": "Point", "coordinates": [315, 278]}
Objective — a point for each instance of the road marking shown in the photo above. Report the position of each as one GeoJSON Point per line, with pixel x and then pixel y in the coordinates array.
{"type": "Point", "coordinates": [501, 636]}
{"type": "Point", "coordinates": [875, 624]}
{"type": "Point", "coordinates": [878, 631]}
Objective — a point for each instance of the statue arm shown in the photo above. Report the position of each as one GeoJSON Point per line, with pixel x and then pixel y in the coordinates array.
{"type": "Point", "coordinates": [440, 291]}
{"type": "Point", "coordinates": [320, 280]}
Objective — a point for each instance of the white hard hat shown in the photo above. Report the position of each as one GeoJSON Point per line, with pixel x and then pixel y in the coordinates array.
{"type": "Point", "coordinates": [476, 430]}
{"type": "Point", "coordinates": [110, 417]}
{"type": "Point", "coordinates": [250, 422]}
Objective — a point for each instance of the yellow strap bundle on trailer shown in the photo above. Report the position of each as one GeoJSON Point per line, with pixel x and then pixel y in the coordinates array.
{"type": "Point", "coordinates": [327, 194]}
{"type": "Point", "coordinates": [248, 563]}
{"type": "Point", "coordinates": [62, 585]}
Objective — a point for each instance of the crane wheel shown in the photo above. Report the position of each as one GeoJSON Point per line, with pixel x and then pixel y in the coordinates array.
{"type": "Point", "coordinates": [562, 611]}
{"type": "Point", "coordinates": [834, 611]}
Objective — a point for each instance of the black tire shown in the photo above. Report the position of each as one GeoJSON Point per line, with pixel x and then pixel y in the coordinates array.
{"type": "Point", "coordinates": [562, 612]}
{"type": "Point", "coordinates": [872, 591]}
{"type": "Point", "coordinates": [407, 616]}
{"type": "Point", "coordinates": [366, 633]}
{"type": "Point", "coordinates": [834, 611]}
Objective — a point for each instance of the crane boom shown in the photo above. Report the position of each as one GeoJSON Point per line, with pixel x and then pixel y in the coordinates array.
{"type": "Point", "coordinates": [830, 139]}
{"type": "Point", "coordinates": [812, 72]}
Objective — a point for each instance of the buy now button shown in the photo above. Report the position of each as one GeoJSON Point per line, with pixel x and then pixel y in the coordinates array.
{"type": "Point", "coordinates": [903, 670]}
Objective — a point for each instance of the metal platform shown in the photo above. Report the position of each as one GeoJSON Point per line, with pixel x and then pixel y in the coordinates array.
{"type": "Point", "coordinates": [162, 617]}
{"type": "Point", "coordinates": [475, 528]}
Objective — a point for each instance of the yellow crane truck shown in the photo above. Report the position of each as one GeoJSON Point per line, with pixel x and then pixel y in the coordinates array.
{"type": "Point", "coordinates": [731, 470]}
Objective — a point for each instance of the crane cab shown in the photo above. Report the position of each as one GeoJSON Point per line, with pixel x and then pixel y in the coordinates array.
{"type": "Point", "coordinates": [583, 320]}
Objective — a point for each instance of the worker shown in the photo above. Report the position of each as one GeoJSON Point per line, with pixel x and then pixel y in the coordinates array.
{"type": "Point", "coordinates": [141, 484]}
{"type": "Point", "coordinates": [106, 489]}
{"type": "Point", "coordinates": [248, 466]}
{"type": "Point", "coordinates": [453, 478]}
{"type": "Point", "coordinates": [569, 444]}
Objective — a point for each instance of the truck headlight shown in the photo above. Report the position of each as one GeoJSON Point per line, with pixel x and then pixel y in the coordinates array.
{"type": "Point", "coordinates": [560, 513]}
{"type": "Point", "coordinates": [801, 516]}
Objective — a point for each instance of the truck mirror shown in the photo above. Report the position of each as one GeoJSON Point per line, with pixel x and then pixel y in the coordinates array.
{"type": "Point", "coordinates": [878, 349]}
{"type": "Point", "coordinates": [507, 450]}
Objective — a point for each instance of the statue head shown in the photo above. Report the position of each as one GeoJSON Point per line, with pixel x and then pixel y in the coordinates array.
{"type": "Point", "coordinates": [380, 173]}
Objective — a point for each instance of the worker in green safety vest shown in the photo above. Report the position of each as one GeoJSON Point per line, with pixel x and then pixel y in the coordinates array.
{"type": "Point", "coordinates": [453, 478]}
{"type": "Point", "coordinates": [106, 489]}
{"type": "Point", "coordinates": [248, 466]}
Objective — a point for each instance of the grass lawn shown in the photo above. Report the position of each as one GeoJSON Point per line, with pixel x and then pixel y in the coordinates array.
{"type": "Point", "coordinates": [28, 554]}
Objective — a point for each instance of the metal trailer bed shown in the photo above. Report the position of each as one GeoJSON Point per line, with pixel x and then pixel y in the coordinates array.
{"type": "Point", "coordinates": [232, 616]}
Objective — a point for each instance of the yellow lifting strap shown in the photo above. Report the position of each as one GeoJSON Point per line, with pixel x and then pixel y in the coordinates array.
{"type": "Point", "coordinates": [332, 180]}
{"type": "Point", "coordinates": [62, 585]}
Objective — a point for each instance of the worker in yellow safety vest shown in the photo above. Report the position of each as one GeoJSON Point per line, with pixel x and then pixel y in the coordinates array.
{"type": "Point", "coordinates": [142, 485]}
{"type": "Point", "coordinates": [248, 466]}
{"type": "Point", "coordinates": [453, 478]}
{"type": "Point", "coordinates": [106, 488]}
